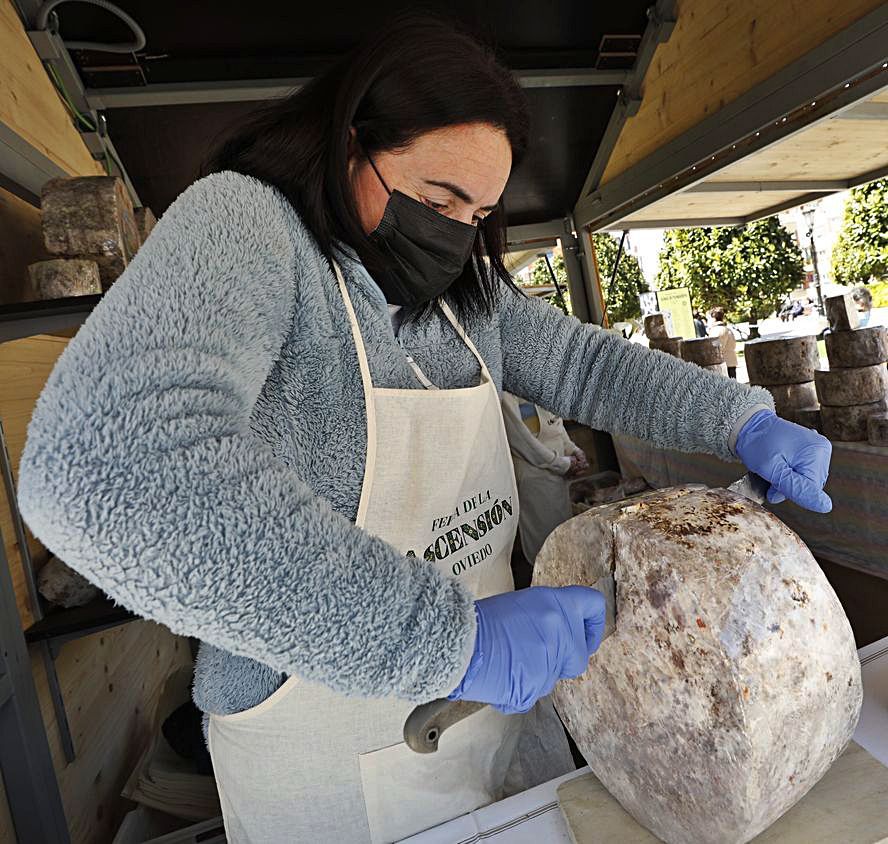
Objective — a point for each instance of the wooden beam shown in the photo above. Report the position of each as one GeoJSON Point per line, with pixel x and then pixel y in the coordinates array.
{"type": "Point", "coordinates": [865, 111]}
{"type": "Point", "coordinates": [825, 186]}
{"type": "Point", "coordinates": [591, 267]}
{"type": "Point", "coordinates": [517, 261]}
{"type": "Point", "coordinates": [30, 107]}
{"type": "Point", "coordinates": [677, 223]}
{"type": "Point", "coordinates": [848, 67]}
{"type": "Point", "coordinates": [534, 233]}
{"type": "Point", "coordinates": [660, 26]}
{"type": "Point", "coordinates": [249, 90]}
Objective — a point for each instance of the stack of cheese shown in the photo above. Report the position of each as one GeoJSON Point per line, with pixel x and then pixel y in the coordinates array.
{"type": "Point", "coordinates": [853, 392]}
{"type": "Point", "coordinates": [90, 225]}
{"type": "Point", "coordinates": [706, 352]}
{"type": "Point", "coordinates": [656, 329]}
{"type": "Point", "coordinates": [785, 367]}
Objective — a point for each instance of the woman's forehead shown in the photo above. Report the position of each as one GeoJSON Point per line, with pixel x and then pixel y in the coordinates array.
{"type": "Point", "coordinates": [474, 157]}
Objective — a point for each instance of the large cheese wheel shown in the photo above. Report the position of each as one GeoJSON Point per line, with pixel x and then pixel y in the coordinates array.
{"type": "Point", "coordinates": [670, 345]}
{"type": "Point", "coordinates": [863, 347]}
{"type": "Point", "coordinates": [784, 360]}
{"type": "Point", "coordinates": [90, 217]}
{"type": "Point", "coordinates": [877, 429]}
{"type": "Point", "coordinates": [145, 222]}
{"type": "Point", "coordinates": [849, 424]}
{"type": "Point", "coordinates": [841, 312]}
{"type": "Point", "coordinates": [808, 417]}
{"type": "Point", "coordinates": [791, 397]}
{"type": "Point", "coordinates": [731, 681]}
{"type": "Point", "coordinates": [63, 277]}
{"type": "Point", "coordinates": [843, 387]}
{"type": "Point", "coordinates": [704, 351]}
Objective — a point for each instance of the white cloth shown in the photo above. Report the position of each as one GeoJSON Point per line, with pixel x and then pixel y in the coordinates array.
{"type": "Point", "coordinates": [541, 460]}
{"type": "Point", "coordinates": [311, 765]}
{"type": "Point", "coordinates": [528, 446]}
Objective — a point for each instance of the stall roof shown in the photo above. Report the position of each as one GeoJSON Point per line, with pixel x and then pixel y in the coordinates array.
{"type": "Point", "coordinates": [747, 107]}
{"type": "Point", "coordinates": [747, 110]}
{"type": "Point", "coordinates": [843, 150]}
{"type": "Point", "coordinates": [202, 70]}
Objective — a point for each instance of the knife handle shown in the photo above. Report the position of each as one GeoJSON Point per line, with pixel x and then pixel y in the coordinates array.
{"type": "Point", "coordinates": [426, 722]}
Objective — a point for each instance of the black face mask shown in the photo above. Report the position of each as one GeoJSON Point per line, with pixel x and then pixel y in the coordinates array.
{"type": "Point", "coordinates": [427, 251]}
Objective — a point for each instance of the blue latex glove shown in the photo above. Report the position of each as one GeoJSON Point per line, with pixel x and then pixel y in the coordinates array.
{"type": "Point", "coordinates": [527, 641]}
{"type": "Point", "coordinates": [794, 459]}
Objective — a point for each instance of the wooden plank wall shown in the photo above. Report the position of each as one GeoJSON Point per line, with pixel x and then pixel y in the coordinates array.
{"type": "Point", "coordinates": [110, 681]}
{"type": "Point", "coordinates": [24, 367]}
{"type": "Point", "coordinates": [718, 51]}
{"type": "Point", "coordinates": [21, 244]}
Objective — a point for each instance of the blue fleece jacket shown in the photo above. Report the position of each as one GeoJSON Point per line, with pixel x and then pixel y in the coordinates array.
{"type": "Point", "coordinates": [198, 449]}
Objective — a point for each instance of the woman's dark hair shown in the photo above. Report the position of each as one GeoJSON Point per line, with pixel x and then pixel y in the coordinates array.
{"type": "Point", "coordinates": [417, 74]}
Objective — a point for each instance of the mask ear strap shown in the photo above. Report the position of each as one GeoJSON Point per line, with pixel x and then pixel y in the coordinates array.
{"type": "Point", "coordinates": [378, 175]}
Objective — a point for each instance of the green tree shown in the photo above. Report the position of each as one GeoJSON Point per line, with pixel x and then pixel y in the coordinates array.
{"type": "Point", "coordinates": [627, 285]}
{"type": "Point", "coordinates": [862, 248]}
{"type": "Point", "coordinates": [747, 269]}
{"type": "Point", "coordinates": [539, 272]}
{"type": "Point", "coordinates": [622, 297]}
{"type": "Point", "coordinates": [539, 275]}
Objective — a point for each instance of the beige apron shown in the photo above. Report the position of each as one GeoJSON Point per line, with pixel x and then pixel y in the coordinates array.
{"type": "Point", "coordinates": [311, 765]}
{"type": "Point", "coordinates": [545, 504]}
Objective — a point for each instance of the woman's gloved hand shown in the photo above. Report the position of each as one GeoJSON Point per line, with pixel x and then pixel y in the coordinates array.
{"type": "Point", "coordinates": [527, 641]}
{"type": "Point", "coordinates": [794, 459]}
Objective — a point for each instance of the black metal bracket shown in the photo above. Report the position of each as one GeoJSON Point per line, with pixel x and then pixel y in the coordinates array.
{"type": "Point", "coordinates": [30, 318]}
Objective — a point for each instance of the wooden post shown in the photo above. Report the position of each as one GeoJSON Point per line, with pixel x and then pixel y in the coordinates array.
{"type": "Point", "coordinates": [599, 306]}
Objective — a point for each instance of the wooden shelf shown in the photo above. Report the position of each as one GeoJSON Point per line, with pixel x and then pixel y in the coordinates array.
{"type": "Point", "coordinates": [73, 623]}
{"type": "Point", "coordinates": [29, 318]}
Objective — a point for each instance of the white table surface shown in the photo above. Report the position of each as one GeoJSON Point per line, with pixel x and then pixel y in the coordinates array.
{"type": "Point", "coordinates": [533, 817]}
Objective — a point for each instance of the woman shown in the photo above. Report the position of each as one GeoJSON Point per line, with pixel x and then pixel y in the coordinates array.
{"type": "Point", "coordinates": [718, 327]}
{"type": "Point", "coordinates": [240, 444]}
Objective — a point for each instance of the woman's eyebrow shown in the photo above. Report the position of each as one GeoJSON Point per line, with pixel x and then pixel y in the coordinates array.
{"type": "Point", "coordinates": [457, 191]}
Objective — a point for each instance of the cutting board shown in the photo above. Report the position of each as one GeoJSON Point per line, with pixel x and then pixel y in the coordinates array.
{"type": "Point", "coordinates": [850, 804]}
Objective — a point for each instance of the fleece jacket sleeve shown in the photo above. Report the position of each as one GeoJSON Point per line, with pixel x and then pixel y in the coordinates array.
{"type": "Point", "coordinates": [141, 472]}
{"type": "Point", "coordinates": [582, 372]}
